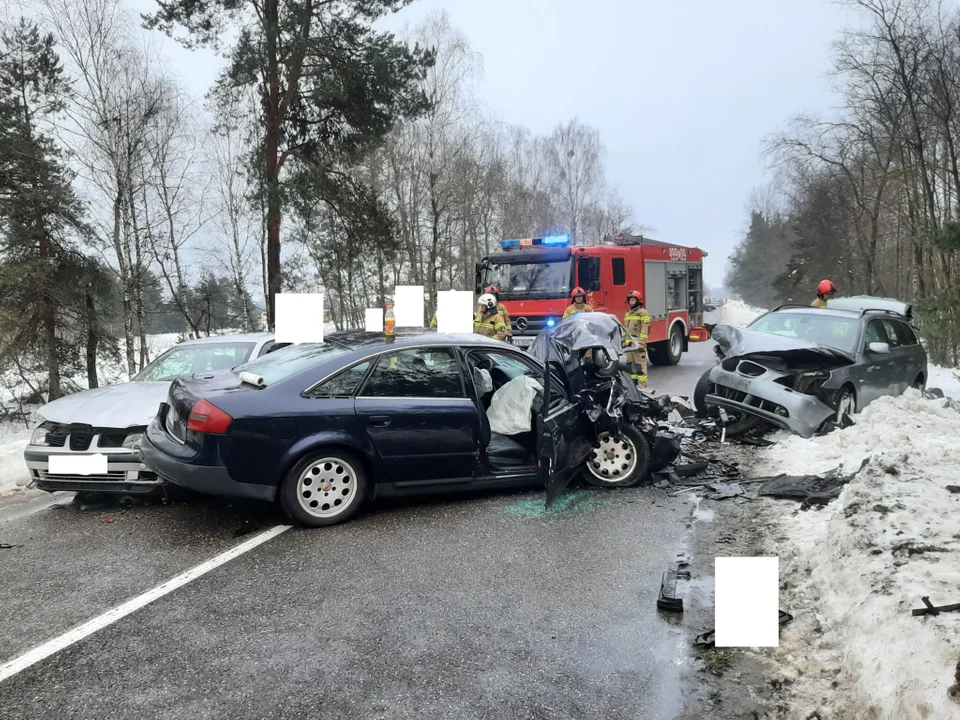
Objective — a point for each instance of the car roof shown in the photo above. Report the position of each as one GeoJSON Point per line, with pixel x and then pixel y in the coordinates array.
{"type": "Point", "coordinates": [807, 310]}
{"type": "Point", "coordinates": [234, 338]}
{"type": "Point", "coordinates": [409, 337]}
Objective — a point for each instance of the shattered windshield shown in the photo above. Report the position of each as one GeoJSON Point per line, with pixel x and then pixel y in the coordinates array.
{"type": "Point", "coordinates": [551, 278]}
{"type": "Point", "coordinates": [818, 328]}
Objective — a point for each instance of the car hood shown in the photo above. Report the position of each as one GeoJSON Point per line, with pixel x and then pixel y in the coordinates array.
{"type": "Point", "coordinates": [132, 404]}
{"type": "Point", "coordinates": [738, 342]}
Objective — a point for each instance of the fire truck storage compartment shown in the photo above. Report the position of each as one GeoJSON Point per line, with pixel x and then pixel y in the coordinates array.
{"type": "Point", "coordinates": [655, 289]}
{"type": "Point", "coordinates": [676, 286]}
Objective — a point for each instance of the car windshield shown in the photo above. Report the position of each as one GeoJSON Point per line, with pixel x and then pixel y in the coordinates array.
{"type": "Point", "coordinates": [819, 328]}
{"type": "Point", "coordinates": [289, 361]}
{"type": "Point", "coordinates": [530, 278]}
{"type": "Point", "coordinates": [199, 358]}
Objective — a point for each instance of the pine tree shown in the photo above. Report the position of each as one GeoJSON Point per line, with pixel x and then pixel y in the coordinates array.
{"type": "Point", "coordinates": [40, 270]}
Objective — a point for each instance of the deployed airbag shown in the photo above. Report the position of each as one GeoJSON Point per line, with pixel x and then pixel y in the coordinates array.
{"type": "Point", "coordinates": [512, 405]}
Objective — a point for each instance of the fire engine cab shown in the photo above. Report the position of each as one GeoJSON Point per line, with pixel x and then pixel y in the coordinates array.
{"type": "Point", "coordinates": [536, 276]}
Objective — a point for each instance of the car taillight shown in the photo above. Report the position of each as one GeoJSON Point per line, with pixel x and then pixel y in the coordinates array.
{"type": "Point", "coordinates": [208, 418]}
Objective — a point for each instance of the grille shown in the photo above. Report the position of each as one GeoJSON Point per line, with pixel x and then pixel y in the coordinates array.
{"type": "Point", "coordinates": [115, 476]}
{"type": "Point", "coordinates": [57, 438]}
{"type": "Point", "coordinates": [112, 440]}
{"type": "Point", "coordinates": [80, 439]}
{"type": "Point", "coordinates": [753, 401]}
{"type": "Point", "coordinates": [535, 325]}
{"type": "Point", "coordinates": [750, 369]}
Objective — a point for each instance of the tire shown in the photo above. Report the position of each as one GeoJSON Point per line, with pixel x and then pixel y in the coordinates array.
{"type": "Point", "coordinates": [668, 352]}
{"type": "Point", "coordinates": [628, 462]}
{"type": "Point", "coordinates": [919, 384]}
{"type": "Point", "coordinates": [845, 403]}
{"type": "Point", "coordinates": [303, 498]}
{"type": "Point", "coordinates": [700, 394]}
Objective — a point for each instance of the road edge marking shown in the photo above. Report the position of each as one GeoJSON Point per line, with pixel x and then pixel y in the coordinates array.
{"type": "Point", "coordinates": [61, 642]}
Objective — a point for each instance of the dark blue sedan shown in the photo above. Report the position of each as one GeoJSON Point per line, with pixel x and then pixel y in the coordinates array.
{"type": "Point", "coordinates": [325, 428]}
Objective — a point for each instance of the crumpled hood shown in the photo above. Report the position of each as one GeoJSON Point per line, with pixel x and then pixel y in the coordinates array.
{"type": "Point", "coordinates": [582, 332]}
{"type": "Point", "coordinates": [738, 342]}
{"type": "Point", "coordinates": [132, 404]}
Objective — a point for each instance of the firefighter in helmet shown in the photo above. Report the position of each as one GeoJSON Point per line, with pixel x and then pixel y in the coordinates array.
{"type": "Point", "coordinates": [488, 321]}
{"type": "Point", "coordinates": [579, 304]}
{"type": "Point", "coordinates": [495, 291]}
{"type": "Point", "coordinates": [637, 322]}
{"type": "Point", "coordinates": [825, 291]}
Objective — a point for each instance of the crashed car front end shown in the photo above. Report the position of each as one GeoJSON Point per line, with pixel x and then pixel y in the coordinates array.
{"type": "Point", "coordinates": [785, 382]}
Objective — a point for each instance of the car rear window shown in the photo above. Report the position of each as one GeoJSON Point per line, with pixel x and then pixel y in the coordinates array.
{"type": "Point", "coordinates": [815, 327]}
{"type": "Point", "coordinates": [189, 359]}
{"type": "Point", "coordinates": [287, 362]}
{"type": "Point", "coordinates": [905, 335]}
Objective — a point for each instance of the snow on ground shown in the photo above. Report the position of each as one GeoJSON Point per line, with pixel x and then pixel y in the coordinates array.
{"type": "Point", "coordinates": [738, 313]}
{"type": "Point", "coordinates": [13, 473]}
{"type": "Point", "coordinates": [851, 572]}
{"type": "Point", "coordinates": [947, 379]}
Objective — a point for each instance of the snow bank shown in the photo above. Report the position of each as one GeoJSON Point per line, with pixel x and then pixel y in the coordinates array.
{"type": "Point", "coordinates": [13, 473]}
{"type": "Point", "coordinates": [738, 313]}
{"type": "Point", "coordinates": [852, 571]}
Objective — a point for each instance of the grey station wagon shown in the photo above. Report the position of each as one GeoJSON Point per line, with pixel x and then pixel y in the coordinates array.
{"type": "Point", "coordinates": [799, 368]}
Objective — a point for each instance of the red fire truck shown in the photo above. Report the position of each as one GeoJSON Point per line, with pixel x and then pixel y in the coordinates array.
{"type": "Point", "coordinates": [536, 276]}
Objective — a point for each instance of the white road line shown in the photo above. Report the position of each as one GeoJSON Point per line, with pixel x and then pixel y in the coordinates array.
{"type": "Point", "coordinates": [12, 667]}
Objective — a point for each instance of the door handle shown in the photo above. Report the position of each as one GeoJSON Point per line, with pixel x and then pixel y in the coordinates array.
{"type": "Point", "coordinates": [379, 421]}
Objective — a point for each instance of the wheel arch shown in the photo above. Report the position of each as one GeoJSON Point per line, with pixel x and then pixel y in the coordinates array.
{"type": "Point", "coordinates": [329, 442]}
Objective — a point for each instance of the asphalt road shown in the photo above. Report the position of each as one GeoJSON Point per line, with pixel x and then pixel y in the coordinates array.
{"type": "Point", "coordinates": [471, 607]}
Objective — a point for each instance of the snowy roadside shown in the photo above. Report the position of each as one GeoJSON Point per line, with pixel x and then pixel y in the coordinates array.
{"type": "Point", "coordinates": [738, 314]}
{"type": "Point", "coordinates": [13, 473]}
{"type": "Point", "coordinates": [852, 571]}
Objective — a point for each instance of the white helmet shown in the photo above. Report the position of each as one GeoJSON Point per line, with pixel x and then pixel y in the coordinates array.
{"type": "Point", "coordinates": [487, 300]}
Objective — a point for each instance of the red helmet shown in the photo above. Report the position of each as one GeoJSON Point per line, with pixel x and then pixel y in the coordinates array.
{"type": "Point", "coordinates": [578, 291]}
{"type": "Point", "coordinates": [826, 286]}
{"type": "Point", "coordinates": [493, 290]}
{"type": "Point", "coordinates": [635, 294]}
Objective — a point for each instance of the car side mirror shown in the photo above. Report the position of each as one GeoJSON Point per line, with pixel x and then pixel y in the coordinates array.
{"type": "Point", "coordinates": [880, 348]}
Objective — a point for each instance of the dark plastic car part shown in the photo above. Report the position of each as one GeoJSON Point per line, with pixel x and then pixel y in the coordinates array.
{"type": "Point", "coordinates": [707, 639]}
{"type": "Point", "coordinates": [668, 599]}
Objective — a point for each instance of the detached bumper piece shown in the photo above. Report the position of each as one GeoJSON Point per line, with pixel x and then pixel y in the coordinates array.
{"type": "Point", "coordinates": [706, 640]}
{"type": "Point", "coordinates": [668, 599]}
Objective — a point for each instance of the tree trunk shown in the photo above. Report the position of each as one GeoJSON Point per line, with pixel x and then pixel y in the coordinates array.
{"type": "Point", "coordinates": [272, 148]}
{"type": "Point", "coordinates": [122, 237]}
{"type": "Point", "coordinates": [93, 337]}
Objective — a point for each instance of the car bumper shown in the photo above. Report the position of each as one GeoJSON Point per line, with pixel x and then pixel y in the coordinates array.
{"type": "Point", "coordinates": [763, 398]}
{"type": "Point", "coordinates": [125, 475]}
{"type": "Point", "coordinates": [207, 479]}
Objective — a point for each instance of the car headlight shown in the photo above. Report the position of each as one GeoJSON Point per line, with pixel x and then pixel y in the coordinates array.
{"type": "Point", "coordinates": [132, 441]}
{"type": "Point", "coordinates": [39, 436]}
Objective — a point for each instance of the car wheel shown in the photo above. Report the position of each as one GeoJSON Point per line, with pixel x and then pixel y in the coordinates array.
{"type": "Point", "coordinates": [324, 488]}
{"type": "Point", "coordinates": [700, 394]}
{"type": "Point", "coordinates": [668, 352]}
{"type": "Point", "coordinates": [845, 403]}
{"type": "Point", "coordinates": [619, 459]}
{"type": "Point", "coordinates": [919, 384]}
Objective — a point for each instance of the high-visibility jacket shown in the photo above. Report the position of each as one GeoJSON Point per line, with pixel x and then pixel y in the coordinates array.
{"type": "Point", "coordinates": [637, 322]}
{"type": "Point", "coordinates": [574, 309]}
{"type": "Point", "coordinates": [819, 303]}
{"type": "Point", "coordinates": [506, 319]}
{"type": "Point", "coordinates": [490, 324]}
{"type": "Point", "coordinates": [433, 323]}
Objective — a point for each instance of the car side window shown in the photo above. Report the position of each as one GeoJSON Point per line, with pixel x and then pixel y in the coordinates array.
{"type": "Point", "coordinates": [342, 385]}
{"type": "Point", "coordinates": [270, 347]}
{"type": "Point", "coordinates": [619, 271]}
{"type": "Point", "coordinates": [423, 373]}
{"type": "Point", "coordinates": [504, 367]}
{"type": "Point", "coordinates": [904, 333]}
{"type": "Point", "coordinates": [875, 333]}
{"type": "Point", "coordinates": [890, 326]}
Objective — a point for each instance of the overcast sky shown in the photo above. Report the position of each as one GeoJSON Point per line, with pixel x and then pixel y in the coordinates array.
{"type": "Point", "coordinates": [683, 93]}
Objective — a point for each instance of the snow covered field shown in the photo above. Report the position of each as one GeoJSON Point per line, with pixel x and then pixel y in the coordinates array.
{"type": "Point", "coordinates": [852, 571]}
{"type": "Point", "coordinates": [738, 313]}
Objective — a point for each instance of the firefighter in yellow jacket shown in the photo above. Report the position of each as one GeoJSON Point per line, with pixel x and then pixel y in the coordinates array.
{"type": "Point", "coordinates": [637, 322]}
{"type": "Point", "coordinates": [825, 291]}
{"type": "Point", "coordinates": [489, 321]}
{"type": "Point", "coordinates": [495, 291]}
{"type": "Point", "coordinates": [579, 304]}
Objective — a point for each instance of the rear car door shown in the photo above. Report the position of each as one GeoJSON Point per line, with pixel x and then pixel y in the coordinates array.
{"type": "Point", "coordinates": [416, 412]}
{"type": "Point", "coordinates": [911, 364]}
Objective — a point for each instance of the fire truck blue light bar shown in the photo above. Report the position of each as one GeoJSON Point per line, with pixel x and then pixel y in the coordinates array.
{"type": "Point", "coordinates": [549, 240]}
